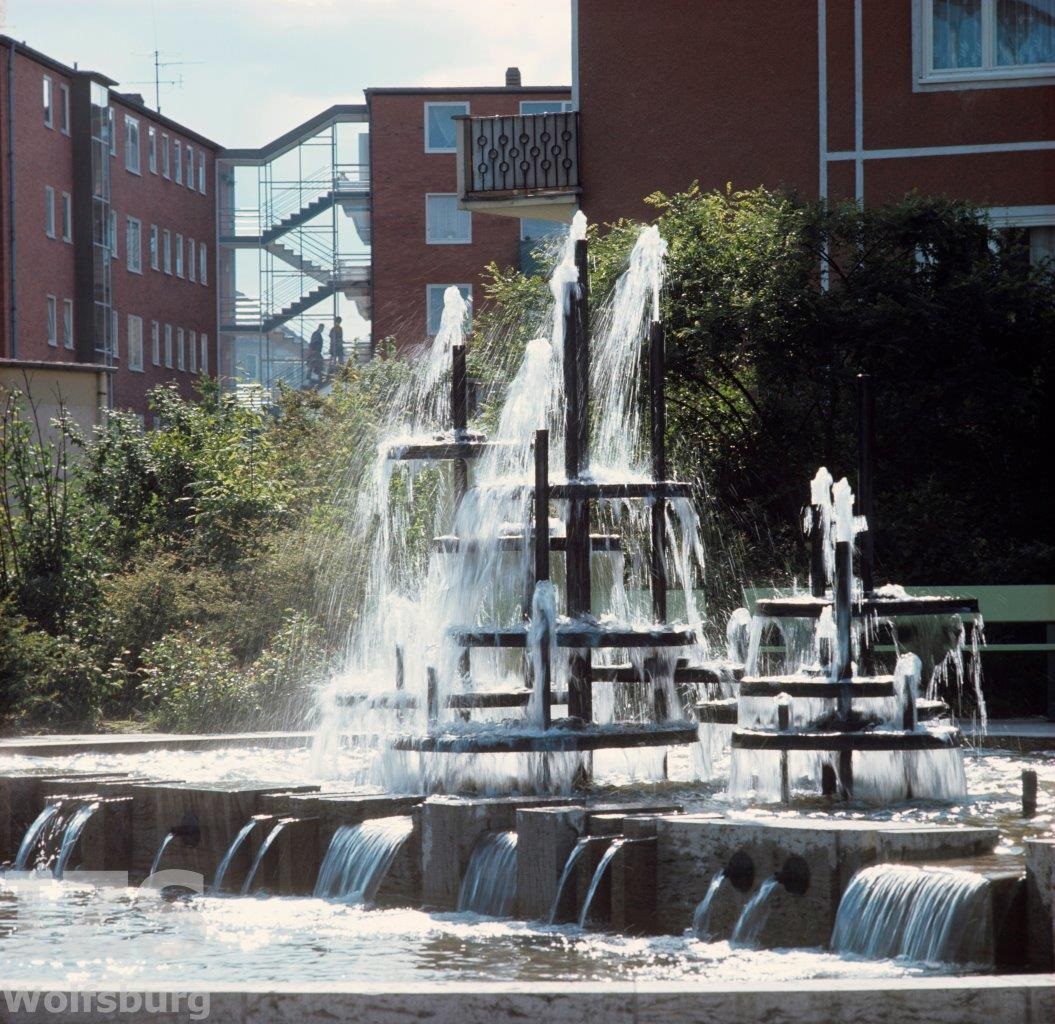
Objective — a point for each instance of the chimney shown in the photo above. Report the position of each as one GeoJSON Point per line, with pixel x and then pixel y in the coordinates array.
{"type": "Point", "coordinates": [512, 78]}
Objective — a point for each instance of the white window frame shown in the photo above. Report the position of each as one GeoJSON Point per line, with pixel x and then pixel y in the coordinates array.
{"type": "Point", "coordinates": [429, 240]}
{"type": "Point", "coordinates": [52, 308]}
{"type": "Point", "coordinates": [564, 107]}
{"type": "Point", "coordinates": [179, 255]}
{"type": "Point", "coordinates": [165, 156]}
{"type": "Point", "coordinates": [181, 349]}
{"type": "Point", "coordinates": [201, 172]}
{"type": "Point", "coordinates": [67, 324]}
{"type": "Point", "coordinates": [133, 154]}
{"type": "Point", "coordinates": [155, 343]}
{"type": "Point", "coordinates": [192, 350]}
{"type": "Point", "coordinates": [443, 103]}
{"type": "Point", "coordinates": [203, 356]}
{"type": "Point", "coordinates": [203, 263]}
{"type": "Point", "coordinates": [189, 173]}
{"type": "Point", "coordinates": [49, 211]}
{"type": "Point", "coordinates": [64, 108]}
{"type": "Point", "coordinates": [192, 263]}
{"type": "Point", "coordinates": [155, 247]}
{"type": "Point", "coordinates": [168, 346]}
{"type": "Point", "coordinates": [152, 149]}
{"type": "Point", "coordinates": [442, 288]}
{"type": "Point", "coordinates": [990, 75]}
{"type": "Point", "coordinates": [177, 161]}
{"type": "Point", "coordinates": [166, 248]}
{"type": "Point", "coordinates": [1022, 217]}
{"type": "Point", "coordinates": [47, 98]}
{"type": "Point", "coordinates": [134, 244]}
{"type": "Point", "coordinates": [135, 343]}
{"type": "Point", "coordinates": [66, 216]}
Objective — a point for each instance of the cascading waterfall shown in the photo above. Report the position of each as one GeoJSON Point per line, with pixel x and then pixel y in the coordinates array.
{"type": "Point", "coordinates": [276, 831]}
{"type": "Point", "coordinates": [577, 851]}
{"type": "Point", "coordinates": [78, 820]}
{"type": "Point", "coordinates": [31, 841]}
{"type": "Point", "coordinates": [753, 917]}
{"type": "Point", "coordinates": [490, 884]}
{"type": "Point", "coordinates": [930, 915]}
{"type": "Point", "coordinates": [229, 855]}
{"type": "Point", "coordinates": [701, 919]}
{"type": "Point", "coordinates": [156, 862]}
{"type": "Point", "coordinates": [359, 856]}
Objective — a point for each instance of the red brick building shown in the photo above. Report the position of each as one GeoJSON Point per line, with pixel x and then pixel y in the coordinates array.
{"type": "Point", "coordinates": [108, 233]}
{"type": "Point", "coordinates": [421, 241]}
{"type": "Point", "coordinates": [865, 99]}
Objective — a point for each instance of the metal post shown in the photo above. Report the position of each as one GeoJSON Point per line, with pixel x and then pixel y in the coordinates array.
{"type": "Point", "coordinates": [658, 404]}
{"type": "Point", "coordinates": [843, 609]}
{"type": "Point", "coordinates": [1029, 793]}
{"type": "Point", "coordinates": [545, 684]}
{"type": "Point", "coordinates": [400, 672]}
{"type": "Point", "coordinates": [865, 477]}
{"type": "Point", "coordinates": [576, 462]}
{"type": "Point", "coordinates": [846, 774]}
{"type": "Point", "coordinates": [783, 724]}
{"type": "Point", "coordinates": [459, 417]}
{"type": "Point", "coordinates": [432, 696]}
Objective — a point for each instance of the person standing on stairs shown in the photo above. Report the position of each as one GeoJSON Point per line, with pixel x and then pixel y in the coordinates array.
{"type": "Point", "coordinates": [315, 366]}
{"type": "Point", "coordinates": [336, 343]}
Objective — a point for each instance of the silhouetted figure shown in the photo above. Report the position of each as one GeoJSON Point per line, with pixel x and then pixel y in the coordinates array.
{"type": "Point", "coordinates": [315, 366]}
{"type": "Point", "coordinates": [337, 343]}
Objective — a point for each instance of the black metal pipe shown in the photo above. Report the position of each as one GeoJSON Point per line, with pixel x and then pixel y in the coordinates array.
{"type": "Point", "coordinates": [1029, 793]}
{"type": "Point", "coordinates": [843, 608]}
{"type": "Point", "coordinates": [658, 407]}
{"type": "Point", "coordinates": [541, 505]}
{"type": "Point", "coordinates": [866, 477]}
{"type": "Point", "coordinates": [401, 678]}
{"type": "Point", "coordinates": [783, 724]}
{"type": "Point", "coordinates": [432, 696]}
{"type": "Point", "coordinates": [818, 569]}
{"type": "Point", "coordinates": [459, 391]}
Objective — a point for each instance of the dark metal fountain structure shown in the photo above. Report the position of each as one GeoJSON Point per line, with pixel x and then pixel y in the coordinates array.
{"type": "Point", "coordinates": [581, 635]}
{"type": "Point", "coordinates": [843, 731]}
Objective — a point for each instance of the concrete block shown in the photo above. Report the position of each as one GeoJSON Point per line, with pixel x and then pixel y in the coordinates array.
{"type": "Point", "coordinates": [291, 863]}
{"type": "Point", "coordinates": [633, 885]}
{"type": "Point", "coordinates": [401, 887]}
{"type": "Point", "coordinates": [106, 842]}
{"type": "Point", "coordinates": [1040, 902]}
{"type": "Point", "coordinates": [934, 843]}
{"type": "Point", "coordinates": [545, 838]}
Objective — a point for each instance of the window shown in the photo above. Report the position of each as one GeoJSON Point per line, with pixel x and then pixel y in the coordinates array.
{"type": "Point", "coordinates": [193, 351]}
{"type": "Point", "coordinates": [113, 234]}
{"type": "Point", "coordinates": [135, 343]}
{"type": "Point", "coordinates": [190, 168]}
{"type": "Point", "coordinates": [166, 239]}
{"type": "Point", "coordinates": [177, 160]}
{"type": "Point", "coordinates": [53, 330]}
{"type": "Point", "coordinates": [115, 333]}
{"type": "Point", "coordinates": [445, 224]}
{"type": "Point", "coordinates": [49, 103]}
{"type": "Point", "coordinates": [201, 173]}
{"type": "Point", "coordinates": [203, 263]}
{"type": "Point", "coordinates": [192, 263]}
{"type": "Point", "coordinates": [67, 217]}
{"type": "Point", "coordinates": [49, 211]}
{"type": "Point", "coordinates": [64, 109]}
{"type": "Point", "coordinates": [155, 248]}
{"type": "Point", "coordinates": [155, 342]}
{"type": "Point", "coordinates": [134, 245]}
{"type": "Point", "coordinates": [132, 144]}
{"type": "Point", "coordinates": [164, 155]}
{"type": "Point", "coordinates": [67, 323]}
{"type": "Point", "coordinates": [181, 355]}
{"type": "Point", "coordinates": [179, 255]}
{"type": "Point", "coordinates": [984, 42]}
{"type": "Point", "coordinates": [111, 129]}
{"type": "Point", "coordinates": [545, 106]}
{"type": "Point", "coordinates": [168, 345]}
{"type": "Point", "coordinates": [434, 303]}
{"type": "Point", "coordinates": [440, 129]}
{"type": "Point", "coordinates": [203, 362]}
{"type": "Point", "coordinates": [152, 149]}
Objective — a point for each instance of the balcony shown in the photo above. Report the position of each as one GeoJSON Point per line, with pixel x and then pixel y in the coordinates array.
{"type": "Point", "coordinates": [525, 166]}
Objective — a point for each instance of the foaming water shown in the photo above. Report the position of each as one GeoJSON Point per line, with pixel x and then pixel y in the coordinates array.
{"type": "Point", "coordinates": [931, 915]}
{"type": "Point", "coordinates": [359, 856]}
{"type": "Point", "coordinates": [490, 883]}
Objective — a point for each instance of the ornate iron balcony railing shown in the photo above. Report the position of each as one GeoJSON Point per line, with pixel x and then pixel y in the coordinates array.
{"type": "Point", "coordinates": [532, 154]}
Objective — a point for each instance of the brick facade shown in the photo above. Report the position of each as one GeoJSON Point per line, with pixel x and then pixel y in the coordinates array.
{"type": "Point", "coordinates": [402, 173]}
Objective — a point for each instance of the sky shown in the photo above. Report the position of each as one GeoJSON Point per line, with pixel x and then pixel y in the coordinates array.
{"type": "Point", "coordinates": [252, 69]}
